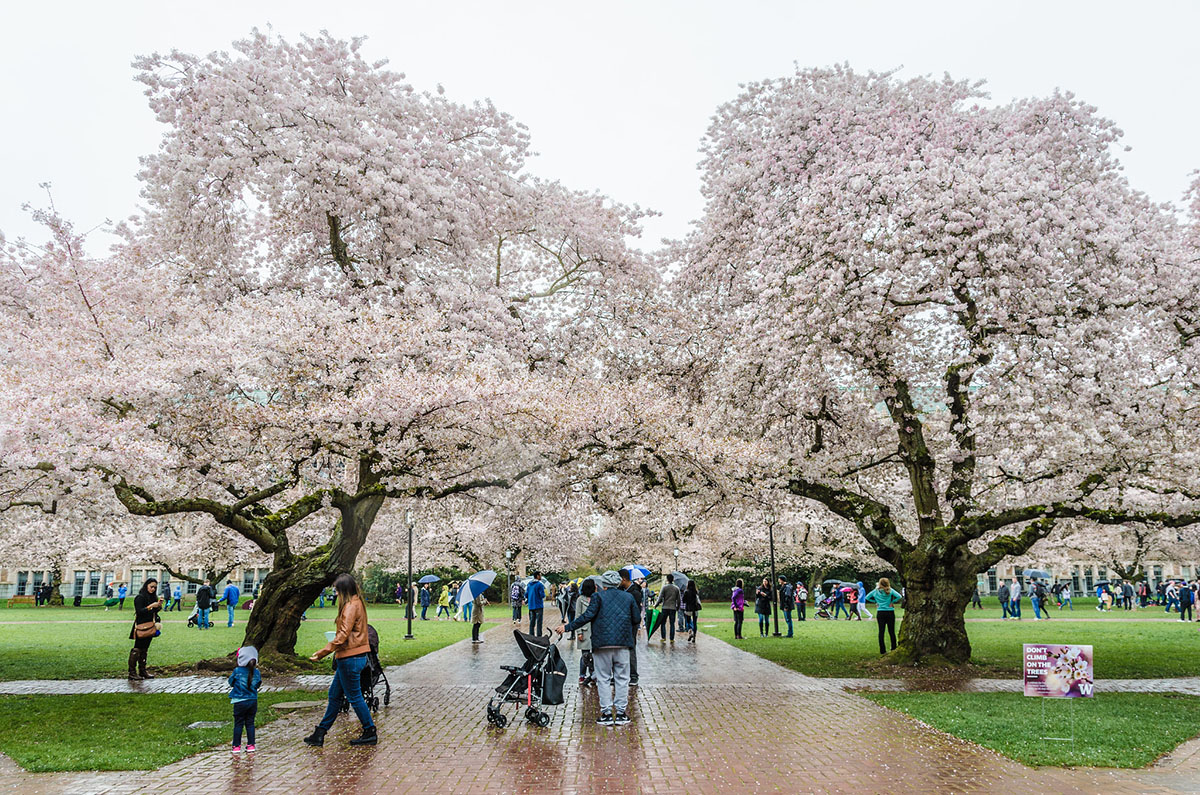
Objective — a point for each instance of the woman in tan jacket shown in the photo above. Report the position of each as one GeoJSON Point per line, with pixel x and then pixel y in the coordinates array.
{"type": "Point", "coordinates": [349, 648]}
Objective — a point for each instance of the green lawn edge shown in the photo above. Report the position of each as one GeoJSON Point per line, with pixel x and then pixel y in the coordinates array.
{"type": "Point", "coordinates": [1121, 730]}
{"type": "Point", "coordinates": [120, 731]}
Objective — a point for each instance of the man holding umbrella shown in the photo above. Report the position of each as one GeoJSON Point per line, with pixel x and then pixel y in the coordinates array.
{"type": "Point", "coordinates": [614, 616]}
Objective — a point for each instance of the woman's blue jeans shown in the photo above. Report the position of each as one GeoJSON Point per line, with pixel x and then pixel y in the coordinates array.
{"type": "Point", "coordinates": [347, 681]}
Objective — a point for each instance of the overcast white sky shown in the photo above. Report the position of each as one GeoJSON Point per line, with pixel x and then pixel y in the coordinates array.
{"type": "Point", "coordinates": [616, 94]}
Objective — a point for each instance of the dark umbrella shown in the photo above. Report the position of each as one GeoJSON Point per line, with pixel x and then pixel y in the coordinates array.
{"type": "Point", "coordinates": [1037, 574]}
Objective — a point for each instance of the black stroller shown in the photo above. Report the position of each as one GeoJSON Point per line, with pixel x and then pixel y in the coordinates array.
{"type": "Point", "coordinates": [537, 683]}
{"type": "Point", "coordinates": [372, 674]}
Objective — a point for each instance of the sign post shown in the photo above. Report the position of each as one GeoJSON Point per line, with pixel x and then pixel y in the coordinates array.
{"type": "Point", "coordinates": [1058, 671]}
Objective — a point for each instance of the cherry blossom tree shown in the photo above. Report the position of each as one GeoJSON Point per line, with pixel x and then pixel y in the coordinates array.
{"type": "Point", "coordinates": [953, 320]}
{"type": "Point", "coordinates": [341, 291]}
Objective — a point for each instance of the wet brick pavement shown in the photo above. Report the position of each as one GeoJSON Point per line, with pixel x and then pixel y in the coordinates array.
{"type": "Point", "coordinates": [707, 718]}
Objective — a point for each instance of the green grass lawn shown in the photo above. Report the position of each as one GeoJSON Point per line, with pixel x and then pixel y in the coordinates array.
{"type": "Point", "coordinates": [65, 643]}
{"type": "Point", "coordinates": [118, 731]}
{"type": "Point", "coordinates": [1111, 730]}
{"type": "Point", "coordinates": [1141, 650]}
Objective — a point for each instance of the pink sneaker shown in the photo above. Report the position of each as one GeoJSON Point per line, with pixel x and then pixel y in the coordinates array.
{"type": "Point", "coordinates": [249, 749]}
{"type": "Point", "coordinates": [237, 749]}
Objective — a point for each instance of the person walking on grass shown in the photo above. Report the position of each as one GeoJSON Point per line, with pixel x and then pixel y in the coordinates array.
{"type": "Point", "coordinates": [614, 617]}
{"type": "Point", "coordinates": [230, 597]}
{"type": "Point", "coordinates": [885, 600]}
{"type": "Point", "coordinates": [1014, 600]}
{"type": "Point", "coordinates": [535, 598]}
{"type": "Point", "coordinates": [839, 602]}
{"type": "Point", "coordinates": [145, 626]}
{"type": "Point", "coordinates": [426, 596]}
{"type": "Point", "coordinates": [243, 695]}
{"type": "Point", "coordinates": [349, 647]}
{"type": "Point", "coordinates": [122, 592]}
{"type": "Point", "coordinates": [205, 596]}
{"type": "Point", "coordinates": [737, 603]}
{"type": "Point", "coordinates": [1003, 595]}
{"type": "Point", "coordinates": [1064, 597]}
{"type": "Point", "coordinates": [443, 603]}
{"type": "Point", "coordinates": [691, 609]}
{"type": "Point", "coordinates": [861, 604]}
{"type": "Point", "coordinates": [1186, 598]}
{"type": "Point", "coordinates": [668, 600]}
{"type": "Point", "coordinates": [976, 602]}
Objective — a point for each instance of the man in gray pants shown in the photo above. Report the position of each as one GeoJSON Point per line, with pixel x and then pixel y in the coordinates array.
{"type": "Point", "coordinates": [613, 614]}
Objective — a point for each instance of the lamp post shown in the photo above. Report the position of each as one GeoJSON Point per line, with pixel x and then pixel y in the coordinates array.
{"type": "Point", "coordinates": [774, 579]}
{"type": "Point", "coordinates": [408, 595]}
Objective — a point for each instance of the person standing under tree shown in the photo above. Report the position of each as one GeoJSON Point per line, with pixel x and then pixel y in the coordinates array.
{"type": "Point", "coordinates": [516, 599]}
{"type": "Point", "coordinates": [145, 626]}
{"type": "Point", "coordinates": [787, 602]}
{"type": "Point", "coordinates": [885, 600]}
{"type": "Point", "coordinates": [426, 598]}
{"type": "Point", "coordinates": [737, 603]}
{"type": "Point", "coordinates": [801, 600]}
{"type": "Point", "coordinates": [762, 607]}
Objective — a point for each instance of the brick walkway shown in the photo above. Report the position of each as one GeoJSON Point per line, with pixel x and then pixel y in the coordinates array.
{"type": "Point", "coordinates": [707, 718]}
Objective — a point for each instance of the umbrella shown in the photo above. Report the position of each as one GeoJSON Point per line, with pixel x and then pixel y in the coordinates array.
{"type": "Point", "coordinates": [681, 580]}
{"type": "Point", "coordinates": [848, 589]}
{"type": "Point", "coordinates": [428, 578]}
{"type": "Point", "coordinates": [474, 585]}
{"type": "Point", "coordinates": [1099, 583]}
{"type": "Point", "coordinates": [637, 572]}
{"type": "Point", "coordinates": [1037, 574]}
{"type": "Point", "coordinates": [577, 582]}
{"type": "Point", "coordinates": [653, 621]}
{"type": "Point", "coordinates": [832, 582]}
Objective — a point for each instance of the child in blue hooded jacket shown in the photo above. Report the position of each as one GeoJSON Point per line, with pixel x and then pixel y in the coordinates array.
{"type": "Point", "coordinates": [244, 682]}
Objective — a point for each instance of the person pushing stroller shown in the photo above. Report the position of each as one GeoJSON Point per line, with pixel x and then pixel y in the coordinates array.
{"type": "Point", "coordinates": [614, 618]}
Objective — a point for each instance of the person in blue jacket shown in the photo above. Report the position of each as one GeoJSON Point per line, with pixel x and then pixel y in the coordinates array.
{"type": "Point", "coordinates": [230, 597]}
{"type": "Point", "coordinates": [535, 597]}
{"type": "Point", "coordinates": [243, 695]}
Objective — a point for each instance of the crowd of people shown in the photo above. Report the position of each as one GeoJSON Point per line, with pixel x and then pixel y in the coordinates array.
{"type": "Point", "coordinates": [1174, 596]}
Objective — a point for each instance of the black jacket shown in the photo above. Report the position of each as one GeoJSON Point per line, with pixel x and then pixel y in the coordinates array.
{"type": "Point", "coordinates": [762, 600]}
{"type": "Point", "coordinates": [614, 616]}
{"type": "Point", "coordinates": [204, 597]}
{"type": "Point", "coordinates": [787, 597]}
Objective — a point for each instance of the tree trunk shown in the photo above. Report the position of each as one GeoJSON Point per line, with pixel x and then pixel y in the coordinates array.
{"type": "Point", "coordinates": [56, 597]}
{"type": "Point", "coordinates": [937, 592]}
{"type": "Point", "coordinates": [296, 580]}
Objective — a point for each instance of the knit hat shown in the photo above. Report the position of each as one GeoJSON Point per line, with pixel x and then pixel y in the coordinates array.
{"type": "Point", "coordinates": [245, 655]}
{"type": "Point", "coordinates": [610, 579]}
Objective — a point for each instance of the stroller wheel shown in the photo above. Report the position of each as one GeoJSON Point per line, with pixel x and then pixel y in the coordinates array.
{"type": "Point", "coordinates": [531, 714]}
{"type": "Point", "coordinates": [210, 625]}
{"type": "Point", "coordinates": [543, 719]}
{"type": "Point", "coordinates": [501, 720]}
{"type": "Point", "coordinates": [375, 704]}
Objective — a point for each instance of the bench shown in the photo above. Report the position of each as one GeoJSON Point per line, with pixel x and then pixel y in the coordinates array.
{"type": "Point", "coordinates": [20, 600]}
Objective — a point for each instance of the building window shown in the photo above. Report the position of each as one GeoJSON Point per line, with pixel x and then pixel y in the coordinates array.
{"type": "Point", "coordinates": [79, 586]}
{"type": "Point", "coordinates": [22, 582]}
{"type": "Point", "coordinates": [1087, 578]}
{"type": "Point", "coordinates": [1186, 571]}
{"type": "Point", "coordinates": [37, 579]}
{"type": "Point", "coordinates": [93, 583]}
{"type": "Point", "coordinates": [195, 575]}
{"type": "Point", "coordinates": [248, 580]}
{"type": "Point", "coordinates": [1157, 575]}
{"type": "Point", "coordinates": [992, 580]}
{"type": "Point", "coordinates": [135, 580]}
{"type": "Point", "coordinates": [1075, 579]}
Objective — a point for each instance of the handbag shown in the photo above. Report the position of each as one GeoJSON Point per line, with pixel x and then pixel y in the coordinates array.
{"type": "Point", "coordinates": [145, 630]}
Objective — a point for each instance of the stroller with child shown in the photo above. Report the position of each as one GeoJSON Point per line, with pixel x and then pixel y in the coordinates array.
{"type": "Point", "coordinates": [537, 683]}
{"type": "Point", "coordinates": [372, 675]}
{"type": "Point", "coordinates": [194, 619]}
{"type": "Point", "coordinates": [825, 606]}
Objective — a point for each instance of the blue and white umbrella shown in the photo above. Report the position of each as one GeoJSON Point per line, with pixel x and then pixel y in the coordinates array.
{"type": "Point", "coordinates": [636, 572]}
{"type": "Point", "coordinates": [428, 578]}
{"type": "Point", "coordinates": [474, 585]}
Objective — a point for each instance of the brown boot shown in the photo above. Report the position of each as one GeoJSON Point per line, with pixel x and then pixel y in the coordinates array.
{"type": "Point", "coordinates": [142, 672]}
{"type": "Point", "coordinates": [135, 657]}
